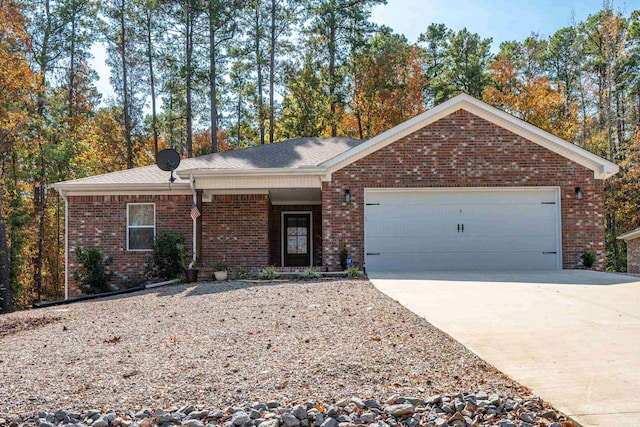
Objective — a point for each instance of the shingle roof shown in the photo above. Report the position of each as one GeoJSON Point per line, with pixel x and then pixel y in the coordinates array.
{"type": "Point", "coordinates": [292, 154]}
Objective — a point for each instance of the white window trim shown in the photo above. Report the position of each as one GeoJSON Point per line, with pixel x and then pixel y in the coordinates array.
{"type": "Point", "coordinates": [283, 243]}
{"type": "Point", "coordinates": [141, 226]}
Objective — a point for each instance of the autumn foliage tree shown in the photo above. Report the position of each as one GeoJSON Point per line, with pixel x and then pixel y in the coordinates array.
{"type": "Point", "coordinates": [18, 87]}
{"type": "Point", "coordinates": [386, 87]}
{"type": "Point", "coordinates": [530, 97]}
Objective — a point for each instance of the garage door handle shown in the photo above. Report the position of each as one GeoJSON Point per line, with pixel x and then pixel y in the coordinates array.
{"type": "Point", "coordinates": [463, 228]}
{"type": "Point", "coordinates": [458, 228]}
{"type": "Point", "coordinates": [549, 253]}
{"type": "Point", "coordinates": [373, 253]}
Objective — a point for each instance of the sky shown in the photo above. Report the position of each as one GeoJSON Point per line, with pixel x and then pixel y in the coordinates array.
{"type": "Point", "coordinates": [501, 20]}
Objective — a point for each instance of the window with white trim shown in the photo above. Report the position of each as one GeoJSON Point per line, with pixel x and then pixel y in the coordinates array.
{"type": "Point", "coordinates": [141, 226]}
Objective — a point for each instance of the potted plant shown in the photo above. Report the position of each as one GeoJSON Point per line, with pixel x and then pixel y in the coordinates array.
{"type": "Point", "coordinates": [220, 270]}
{"type": "Point", "coordinates": [187, 262]}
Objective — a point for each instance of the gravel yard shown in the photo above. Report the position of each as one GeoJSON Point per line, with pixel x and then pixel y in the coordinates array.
{"type": "Point", "coordinates": [223, 344]}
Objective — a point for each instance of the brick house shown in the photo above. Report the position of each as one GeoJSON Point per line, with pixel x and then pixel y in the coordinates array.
{"type": "Point", "coordinates": [632, 239]}
{"type": "Point", "coordinates": [463, 186]}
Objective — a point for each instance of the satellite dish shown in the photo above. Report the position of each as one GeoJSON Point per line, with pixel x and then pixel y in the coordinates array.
{"type": "Point", "coordinates": [168, 160]}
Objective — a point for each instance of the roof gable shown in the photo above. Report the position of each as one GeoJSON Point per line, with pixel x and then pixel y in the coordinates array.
{"type": "Point", "coordinates": [601, 168]}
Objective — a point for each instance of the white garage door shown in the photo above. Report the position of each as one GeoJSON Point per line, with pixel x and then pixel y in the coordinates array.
{"type": "Point", "coordinates": [462, 229]}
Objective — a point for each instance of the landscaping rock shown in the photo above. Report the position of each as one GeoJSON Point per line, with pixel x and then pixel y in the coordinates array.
{"type": "Point", "coordinates": [239, 418]}
{"type": "Point", "coordinates": [300, 412]}
{"type": "Point", "coordinates": [290, 420]}
{"type": "Point", "coordinates": [461, 410]}
{"type": "Point", "coordinates": [400, 410]}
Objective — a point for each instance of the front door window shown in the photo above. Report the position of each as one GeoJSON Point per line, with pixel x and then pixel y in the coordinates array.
{"type": "Point", "coordinates": [297, 240]}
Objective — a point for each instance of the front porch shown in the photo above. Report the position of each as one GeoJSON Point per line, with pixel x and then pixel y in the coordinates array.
{"type": "Point", "coordinates": [279, 228]}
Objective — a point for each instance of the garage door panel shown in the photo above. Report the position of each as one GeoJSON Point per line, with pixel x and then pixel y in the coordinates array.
{"type": "Point", "coordinates": [535, 243]}
{"type": "Point", "coordinates": [462, 229]}
{"type": "Point", "coordinates": [454, 260]}
{"type": "Point", "coordinates": [410, 226]}
{"type": "Point", "coordinates": [390, 243]}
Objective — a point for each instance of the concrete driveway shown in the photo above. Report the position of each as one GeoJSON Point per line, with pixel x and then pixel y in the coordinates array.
{"type": "Point", "coordinates": [571, 336]}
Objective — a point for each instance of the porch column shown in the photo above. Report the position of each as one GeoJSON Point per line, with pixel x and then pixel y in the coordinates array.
{"type": "Point", "coordinates": [199, 228]}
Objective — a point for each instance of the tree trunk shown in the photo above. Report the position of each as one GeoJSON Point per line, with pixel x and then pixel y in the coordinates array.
{"type": "Point", "coordinates": [583, 105]}
{"type": "Point", "coordinates": [332, 73]}
{"type": "Point", "coordinates": [620, 125]}
{"type": "Point", "coordinates": [7, 303]}
{"type": "Point", "coordinates": [43, 61]}
{"type": "Point", "coordinates": [126, 108]}
{"type": "Point", "coordinates": [189, 78]}
{"type": "Point", "coordinates": [258, 54]}
{"type": "Point", "coordinates": [72, 66]}
{"type": "Point", "coordinates": [152, 83]}
{"type": "Point", "coordinates": [272, 69]}
{"type": "Point", "coordinates": [41, 211]}
{"type": "Point", "coordinates": [171, 124]}
{"type": "Point", "coordinates": [58, 247]}
{"type": "Point", "coordinates": [239, 135]}
{"type": "Point", "coordinates": [213, 97]}
{"type": "Point", "coordinates": [612, 225]}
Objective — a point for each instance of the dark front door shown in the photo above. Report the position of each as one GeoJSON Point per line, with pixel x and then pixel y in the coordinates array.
{"type": "Point", "coordinates": [297, 239]}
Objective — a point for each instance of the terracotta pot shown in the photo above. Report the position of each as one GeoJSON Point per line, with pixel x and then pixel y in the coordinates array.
{"type": "Point", "coordinates": [220, 275]}
{"type": "Point", "coordinates": [191, 276]}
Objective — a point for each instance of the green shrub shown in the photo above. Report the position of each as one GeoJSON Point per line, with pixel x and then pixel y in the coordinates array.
{"type": "Point", "coordinates": [166, 261]}
{"type": "Point", "coordinates": [353, 271]}
{"type": "Point", "coordinates": [310, 274]}
{"type": "Point", "coordinates": [219, 266]}
{"type": "Point", "coordinates": [268, 273]}
{"type": "Point", "coordinates": [93, 276]}
{"type": "Point", "coordinates": [242, 273]}
{"type": "Point", "coordinates": [588, 258]}
{"type": "Point", "coordinates": [343, 251]}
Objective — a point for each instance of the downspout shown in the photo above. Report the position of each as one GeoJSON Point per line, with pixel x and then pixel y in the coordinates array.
{"type": "Point", "coordinates": [192, 184]}
{"type": "Point", "coordinates": [66, 242]}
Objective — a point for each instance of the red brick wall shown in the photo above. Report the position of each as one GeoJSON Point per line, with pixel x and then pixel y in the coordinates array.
{"type": "Point", "coordinates": [463, 150]}
{"type": "Point", "coordinates": [275, 231]}
{"type": "Point", "coordinates": [633, 256]}
{"type": "Point", "coordinates": [236, 228]}
{"type": "Point", "coordinates": [101, 222]}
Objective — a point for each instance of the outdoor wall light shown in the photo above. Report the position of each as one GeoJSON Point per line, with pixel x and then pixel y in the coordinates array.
{"type": "Point", "coordinates": [578, 193]}
{"type": "Point", "coordinates": [347, 196]}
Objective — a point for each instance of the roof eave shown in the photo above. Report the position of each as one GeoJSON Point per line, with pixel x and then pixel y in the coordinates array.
{"type": "Point", "coordinates": [210, 172]}
{"type": "Point", "coordinates": [633, 234]}
{"type": "Point", "coordinates": [119, 188]}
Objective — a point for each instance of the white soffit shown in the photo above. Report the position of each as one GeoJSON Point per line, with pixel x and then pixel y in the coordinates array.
{"type": "Point", "coordinates": [602, 168]}
{"type": "Point", "coordinates": [295, 196]}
